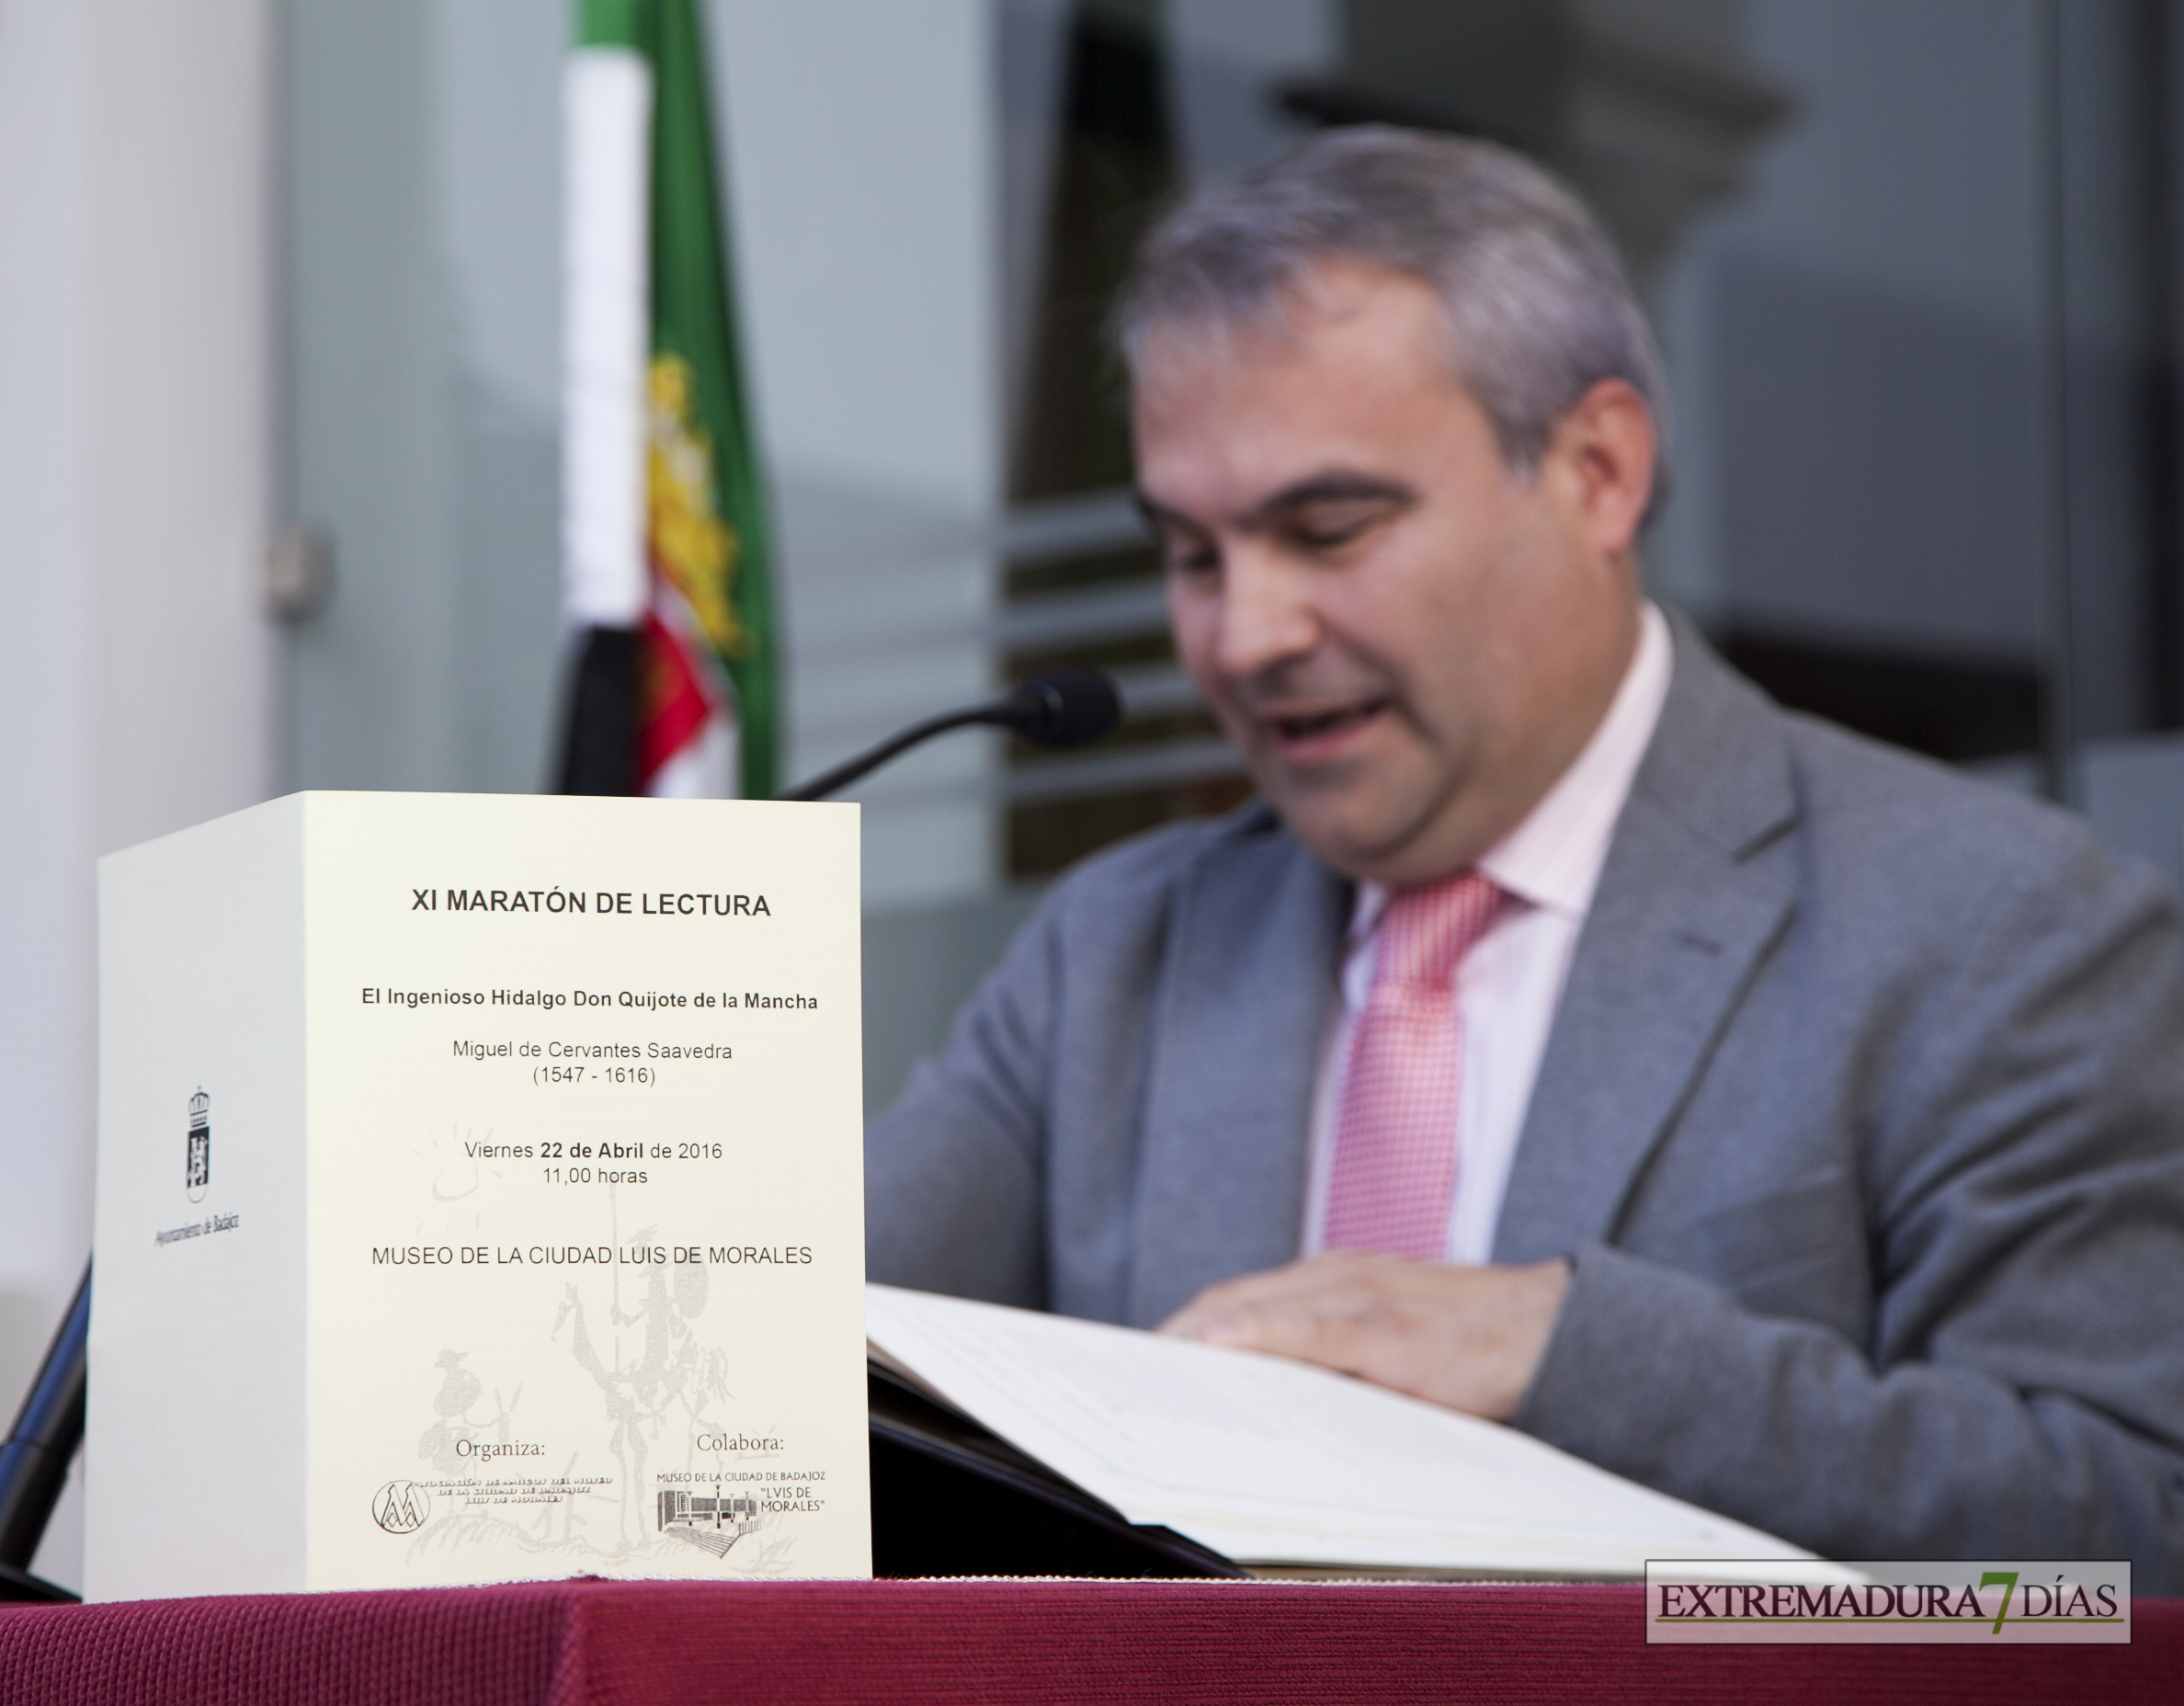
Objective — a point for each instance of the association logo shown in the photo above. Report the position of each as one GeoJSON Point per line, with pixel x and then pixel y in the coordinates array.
{"type": "Point", "coordinates": [197, 1176]}
{"type": "Point", "coordinates": [401, 1506]}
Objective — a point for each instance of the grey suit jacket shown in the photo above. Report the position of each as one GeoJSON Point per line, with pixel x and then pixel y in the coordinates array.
{"type": "Point", "coordinates": [1861, 1118]}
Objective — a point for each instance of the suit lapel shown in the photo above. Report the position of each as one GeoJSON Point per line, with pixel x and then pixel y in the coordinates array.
{"type": "Point", "coordinates": [1243, 1001]}
{"type": "Point", "coordinates": [1694, 894]}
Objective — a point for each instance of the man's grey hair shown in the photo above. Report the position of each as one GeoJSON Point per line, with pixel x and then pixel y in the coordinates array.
{"type": "Point", "coordinates": [1537, 305]}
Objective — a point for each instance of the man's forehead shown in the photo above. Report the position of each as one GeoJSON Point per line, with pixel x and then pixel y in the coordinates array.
{"type": "Point", "coordinates": [1321, 302]}
{"type": "Point", "coordinates": [1228, 428]}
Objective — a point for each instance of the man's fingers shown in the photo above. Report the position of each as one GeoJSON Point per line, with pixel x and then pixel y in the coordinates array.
{"type": "Point", "coordinates": [1206, 1313]}
{"type": "Point", "coordinates": [1470, 1338]}
{"type": "Point", "coordinates": [1324, 1279]}
{"type": "Point", "coordinates": [1327, 1335]}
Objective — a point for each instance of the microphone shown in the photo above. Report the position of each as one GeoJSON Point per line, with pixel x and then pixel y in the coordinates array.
{"type": "Point", "coordinates": [1062, 707]}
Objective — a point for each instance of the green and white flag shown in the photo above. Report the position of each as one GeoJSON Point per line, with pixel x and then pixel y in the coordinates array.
{"type": "Point", "coordinates": [666, 568]}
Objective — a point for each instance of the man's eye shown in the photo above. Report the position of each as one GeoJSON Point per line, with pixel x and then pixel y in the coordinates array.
{"type": "Point", "coordinates": [1331, 529]}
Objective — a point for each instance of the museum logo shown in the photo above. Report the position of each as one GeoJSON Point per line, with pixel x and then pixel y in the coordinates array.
{"type": "Point", "coordinates": [197, 1177]}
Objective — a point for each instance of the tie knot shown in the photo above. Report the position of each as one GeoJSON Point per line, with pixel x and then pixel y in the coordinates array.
{"type": "Point", "coordinates": [1425, 933]}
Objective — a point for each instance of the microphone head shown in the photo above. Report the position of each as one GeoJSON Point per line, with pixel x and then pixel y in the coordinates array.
{"type": "Point", "coordinates": [1063, 708]}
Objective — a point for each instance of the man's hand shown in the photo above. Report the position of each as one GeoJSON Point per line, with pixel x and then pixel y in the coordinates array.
{"type": "Point", "coordinates": [1470, 1338]}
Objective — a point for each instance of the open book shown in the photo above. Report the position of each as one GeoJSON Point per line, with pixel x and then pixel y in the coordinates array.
{"type": "Point", "coordinates": [1226, 1461]}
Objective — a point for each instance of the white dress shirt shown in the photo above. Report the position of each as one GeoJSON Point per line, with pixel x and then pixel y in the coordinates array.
{"type": "Point", "coordinates": [1509, 984]}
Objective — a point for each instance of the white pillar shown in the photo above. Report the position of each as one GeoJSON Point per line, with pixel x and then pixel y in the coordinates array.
{"type": "Point", "coordinates": [135, 492]}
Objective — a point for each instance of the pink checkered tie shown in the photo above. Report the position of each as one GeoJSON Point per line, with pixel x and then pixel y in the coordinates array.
{"type": "Point", "coordinates": [1395, 1139]}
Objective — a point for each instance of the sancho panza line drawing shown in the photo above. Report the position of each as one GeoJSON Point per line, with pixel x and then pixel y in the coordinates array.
{"type": "Point", "coordinates": [197, 1176]}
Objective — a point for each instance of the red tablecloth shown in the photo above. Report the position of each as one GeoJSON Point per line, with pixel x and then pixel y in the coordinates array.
{"type": "Point", "coordinates": [575, 1643]}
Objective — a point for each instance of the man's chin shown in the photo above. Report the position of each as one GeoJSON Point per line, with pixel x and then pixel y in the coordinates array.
{"type": "Point", "coordinates": [1361, 838]}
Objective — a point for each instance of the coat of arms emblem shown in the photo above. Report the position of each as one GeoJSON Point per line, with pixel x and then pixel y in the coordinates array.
{"type": "Point", "coordinates": [198, 1175]}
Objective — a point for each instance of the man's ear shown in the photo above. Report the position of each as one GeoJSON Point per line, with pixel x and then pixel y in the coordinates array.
{"type": "Point", "coordinates": [1601, 459]}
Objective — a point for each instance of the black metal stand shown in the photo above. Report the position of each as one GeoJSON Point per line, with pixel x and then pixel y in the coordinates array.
{"type": "Point", "coordinates": [34, 1461]}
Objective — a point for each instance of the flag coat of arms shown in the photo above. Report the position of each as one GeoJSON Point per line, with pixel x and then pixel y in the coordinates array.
{"type": "Point", "coordinates": [667, 590]}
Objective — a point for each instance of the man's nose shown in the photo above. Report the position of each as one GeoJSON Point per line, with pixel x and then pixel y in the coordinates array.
{"type": "Point", "coordinates": [1266, 614]}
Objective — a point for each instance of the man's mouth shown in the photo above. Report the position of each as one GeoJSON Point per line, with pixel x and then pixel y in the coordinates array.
{"type": "Point", "coordinates": [1314, 726]}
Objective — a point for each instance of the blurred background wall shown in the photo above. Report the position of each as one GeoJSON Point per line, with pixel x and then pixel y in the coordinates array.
{"type": "Point", "coordinates": [280, 286]}
{"type": "Point", "coordinates": [137, 448]}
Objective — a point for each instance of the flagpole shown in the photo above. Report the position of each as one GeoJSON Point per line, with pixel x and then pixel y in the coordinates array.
{"type": "Point", "coordinates": [606, 95]}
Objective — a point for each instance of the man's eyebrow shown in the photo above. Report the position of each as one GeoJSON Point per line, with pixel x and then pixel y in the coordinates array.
{"type": "Point", "coordinates": [1339, 486]}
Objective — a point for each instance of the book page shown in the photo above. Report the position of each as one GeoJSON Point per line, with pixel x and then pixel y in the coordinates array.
{"type": "Point", "coordinates": [1274, 1461]}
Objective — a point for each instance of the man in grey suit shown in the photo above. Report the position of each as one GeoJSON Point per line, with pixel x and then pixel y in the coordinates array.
{"type": "Point", "coordinates": [1842, 1187]}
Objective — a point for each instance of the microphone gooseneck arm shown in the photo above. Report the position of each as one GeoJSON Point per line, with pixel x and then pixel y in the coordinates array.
{"type": "Point", "coordinates": [833, 781]}
{"type": "Point", "coordinates": [1062, 707]}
